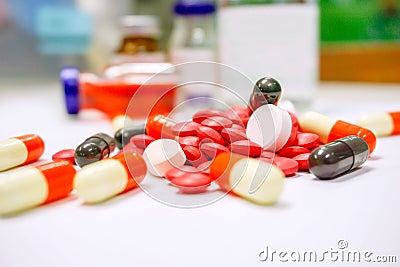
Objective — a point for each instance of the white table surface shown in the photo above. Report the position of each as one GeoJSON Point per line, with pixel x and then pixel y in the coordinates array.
{"type": "Point", "coordinates": [135, 230]}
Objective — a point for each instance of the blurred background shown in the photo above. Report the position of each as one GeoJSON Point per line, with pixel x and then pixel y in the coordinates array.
{"type": "Point", "coordinates": [358, 40]}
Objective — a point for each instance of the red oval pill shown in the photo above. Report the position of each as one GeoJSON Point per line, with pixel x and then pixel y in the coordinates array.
{"type": "Point", "coordinates": [179, 172]}
{"type": "Point", "coordinates": [292, 151]}
{"type": "Point", "coordinates": [189, 141]}
{"type": "Point", "coordinates": [208, 133]}
{"type": "Point", "coordinates": [295, 128]}
{"type": "Point", "coordinates": [142, 140]}
{"type": "Point", "coordinates": [238, 127]}
{"type": "Point", "coordinates": [194, 156]}
{"type": "Point", "coordinates": [130, 147]}
{"type": "Point", "coordinates": [246, 147]}
{"type": "Point", "coordinates": [211, 150]}
{"type": "Point", "coordinates": [217, 123]}
{"type": "Point", "coordinates": [208, 113]}
{"type": "Point", "coordinates": [288, 166]}
{"type": "Point", "coordinates": [231, 135]}
{"type": "Point", "coordinates": [185, 128]}
{"type": "Point", "coordinates": [307, 140]}
{"type": "Point", "coordinates": [268, 155]}
{"type": "Point", "coordinates": [66, 154]}
{"type": "Point", "coordinates": [192, 183]}
{"type": "Point", "coordinates": [302, 160]}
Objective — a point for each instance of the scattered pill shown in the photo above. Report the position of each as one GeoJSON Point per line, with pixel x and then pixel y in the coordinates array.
{"type": "Point", "coordinates": [295, 130]}
{"type": "Point", "coordinates": [105, 179]}
{"type": "Point", "coordinates": [142, 140]}
{"type": "Point", "coordinates": [189, 141]}
{"type": "Point", "coordinates": [66, 154]}
{"type": "Point", "coordinates": [211, 150]}
{"type": "Point", "coordinates": [338, 157]}
{"type": "Point", "coordinates": [95, 148]}
{"type": "Point", "coordinates": [192, 183]}
{"type": "Point", "coordinates": [245, 147]}
{"type": "Point", "coordinates": [268, 155]}
{"type": "Point", "coordinates": [162, 155]}
{"type": "Point", "coordinates": [292, 151]}
{"type": "Point", "coordinates": [205, 114]}
{"type": "Point", "coordinates": [130, 147]}
{"type": "Point", "coordinates": [123, 136]}
{"type": "Point", "coordinates": [33, 186]}
{"type": "Point", "coordinates": [185, 128]}
{"type": "Point", "coordinates": [270, 127]}
{"type": "Point", "coordinates": [206, 133]}
{"type": "Point", "coordinates": [267, 90]}
{"type": "Point", "coordinates": [194, 156]}
{"type": "Point", "coordinates": [20, 150]}
{"type": "Point", "coordinates": [231, 135]}
{"type": "Point", "coordinates": [238, 127]}
{"type": "Point", "coordinates": [382, 124]}
{"type": "Point", "coordinates": [252, 179]}
{"type": "Point", "coordinates": [330, 130]}
{"type": "Point", "coordinates": [288, 166]}
{"type": "Point", "coordinates": [160, 126]}
{"type": "Point", "coordinates": [307, 140]}
{"type": "Point", "coordinates": [217, 123]}
{"type": "Point", "coordinates": [302, 160]}
{"type": "Point", "coordinates": [181, 171]}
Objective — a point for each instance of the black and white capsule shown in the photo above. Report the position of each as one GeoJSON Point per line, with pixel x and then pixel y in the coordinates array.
{"type": "Point", "coordinates": [95, 148]}
{"type": "Point", "coordinates": [338, 157]}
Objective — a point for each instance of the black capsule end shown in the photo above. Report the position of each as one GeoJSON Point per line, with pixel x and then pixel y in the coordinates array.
{"type": "Point", "coordinates": [267, 90]}
{"type": "Point", "coordinates": [87, 153]}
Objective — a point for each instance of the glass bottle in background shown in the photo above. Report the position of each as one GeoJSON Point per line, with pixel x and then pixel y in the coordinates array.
{"type": "Point", "coordinates": [140, 36]}
{"type": "Point", "coordinates": [193, 38]}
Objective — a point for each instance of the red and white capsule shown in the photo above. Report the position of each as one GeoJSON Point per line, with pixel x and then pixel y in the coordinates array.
{"type": "Point", "coordinates": [382, 124]}
{"type": "Point", "coordinates": [20, 150]}
{"type": "Point", "coordinates": [107, 178]}
{"type": "Point", "coordinates": [329, 129]}
{"type": "Point", "coordinates": [33, 186]}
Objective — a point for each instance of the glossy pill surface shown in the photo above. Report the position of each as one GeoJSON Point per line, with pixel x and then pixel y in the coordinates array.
{"type": "Point", "coordinates": [267, 90]}
{"type": "Point", "coordinates": [211, 150]}
{"type": "Point", "coordinates": [65, 154]}
{"type": "Point", "coordinates": [185, 128]}
{"type": "Point", "coordinates": [338, 157]}
{"type": "Point", "coordinates": [124, 135]}
{"type": "Point", "coordinates": [382, 124]}
{"type": "Point", "coordinates": [142, 140]}
{"type": "Point", "coordinates": [330, 130]}
{"type": "Point", "coordinates": [33, 186]}
{"type": "Point", "coordinates": [93, 149]}
{"type": "Point", "coordinates": [20, 150]}
{"type": "Point", "coordinates": [245, 147]}
{"type": "Point", "coordinates": [105, 179]}
{"type": "Point", "coordinates": [217, 123]}
{"type": "Point", "coordinates": [210, 135]}
{"type": "Point", "coordinates": [192, 183]}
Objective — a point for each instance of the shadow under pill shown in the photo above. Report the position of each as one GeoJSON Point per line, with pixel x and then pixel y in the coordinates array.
{"type": "Point", "coordinates": [348, 175]}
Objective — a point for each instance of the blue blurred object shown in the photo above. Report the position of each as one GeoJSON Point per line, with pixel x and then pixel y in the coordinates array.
{"type": "Point", "coordinates": [69, 77]}
{"type": "Point", "coordinates": [63, 30]}
{"type": "Point", "coordinates": [194, 8]}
